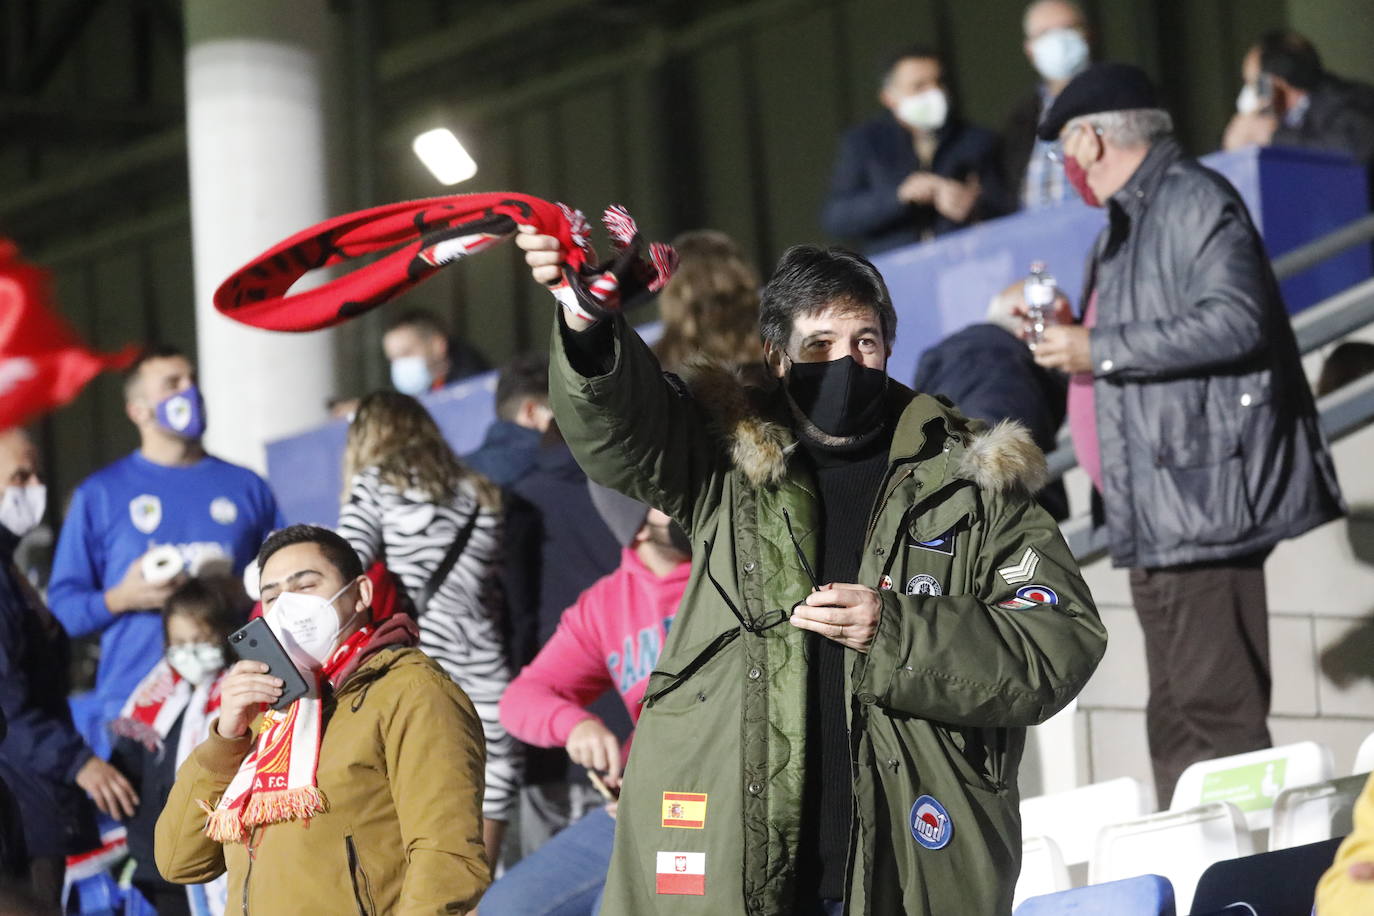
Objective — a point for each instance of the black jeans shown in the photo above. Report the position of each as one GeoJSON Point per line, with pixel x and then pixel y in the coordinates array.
{"type": "Point", "coordinates": [1207, 649]}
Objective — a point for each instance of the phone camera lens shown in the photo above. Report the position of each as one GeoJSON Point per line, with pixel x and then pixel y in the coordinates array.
{"type": "Point", "coordinates": [253, 642]}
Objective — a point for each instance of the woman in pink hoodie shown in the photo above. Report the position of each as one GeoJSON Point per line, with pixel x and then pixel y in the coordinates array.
{"type": "Point", "coordinates": [611, 638]}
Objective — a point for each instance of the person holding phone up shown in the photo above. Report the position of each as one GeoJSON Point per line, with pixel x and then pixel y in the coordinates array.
{"type": "Point", "coordinates": [362, 794]}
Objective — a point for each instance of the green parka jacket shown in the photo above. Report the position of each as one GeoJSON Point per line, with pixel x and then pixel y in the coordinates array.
{"type": "Point", "coordinates": [986, 627]}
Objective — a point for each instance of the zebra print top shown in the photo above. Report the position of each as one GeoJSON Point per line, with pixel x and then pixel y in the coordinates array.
{"type": "Point", "coordinates": [461, 629]}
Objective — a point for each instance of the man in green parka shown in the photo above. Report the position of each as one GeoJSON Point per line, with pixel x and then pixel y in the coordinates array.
{"type": "Point", "coordinates": [877, 610]}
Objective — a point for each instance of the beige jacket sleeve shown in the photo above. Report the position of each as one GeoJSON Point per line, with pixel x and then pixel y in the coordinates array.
{"type": "Point", "coordinates": [183, 852]}
{"type": "Point", "coordinates": [1338, 894]}
{"type": "Point", "coordinates": [436, 758]}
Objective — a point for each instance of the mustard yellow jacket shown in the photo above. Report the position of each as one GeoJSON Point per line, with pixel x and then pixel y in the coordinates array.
{"type": "Point", "coordinates": [401, 765]}
{"type": "Point", "coordinates": [1338, 894]}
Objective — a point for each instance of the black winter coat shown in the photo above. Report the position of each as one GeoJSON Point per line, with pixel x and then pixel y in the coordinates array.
{"type": "Point", "coordinates": [991, 376]}
{"type": "Point", "coordinates": [40, 752]}
{"type": "Point", "coordinates": [152, 774]}
{"type": "Point", "coordinates": [556, 547]}
{"type": "Point", "coordinates": [1208, 431]}
{"type": "Point", "coordinates": [1339, 119]}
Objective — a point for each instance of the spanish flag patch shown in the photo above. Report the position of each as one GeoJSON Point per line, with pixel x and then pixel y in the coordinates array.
{"type": "Point", "coordinates": [684, 809]}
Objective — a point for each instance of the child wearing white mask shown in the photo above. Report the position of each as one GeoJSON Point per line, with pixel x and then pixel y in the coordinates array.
{"type": "Point", "coordinates": [167, 716]}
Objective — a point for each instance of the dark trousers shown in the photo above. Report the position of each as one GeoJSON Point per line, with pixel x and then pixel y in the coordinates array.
{"type": "Point", "coordinates": [45, 878]}
{"type": "Point", "coordinates": [167, 898]}
{"type": "Point", "coordinates": [1207, 649]}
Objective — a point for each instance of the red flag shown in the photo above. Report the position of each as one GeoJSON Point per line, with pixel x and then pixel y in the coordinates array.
{"type": "Point", "coordinates": [43, 364]}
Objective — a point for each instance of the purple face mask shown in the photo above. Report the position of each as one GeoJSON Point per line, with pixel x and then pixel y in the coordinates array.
{"type": "Point", "coordinates": [183, 414]}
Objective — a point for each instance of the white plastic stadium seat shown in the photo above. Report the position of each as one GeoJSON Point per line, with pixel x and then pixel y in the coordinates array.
{"type": "Point", "coordinates": [1042, 869]}
{"type": "Point", "coordinates": [1310, 814]}
{"type": "Point", "coordinates": [1073, 818]}
{"type": "Point", "coordinates": [1364, 757]}
{"type": "Point", "coordinates": [1252, 781]}
{"type": "Point", "coordinates": [1176, 844]}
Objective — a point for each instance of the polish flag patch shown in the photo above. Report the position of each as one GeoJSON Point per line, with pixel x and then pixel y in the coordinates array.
{"type": "Point", "coordinates": [681, 873]}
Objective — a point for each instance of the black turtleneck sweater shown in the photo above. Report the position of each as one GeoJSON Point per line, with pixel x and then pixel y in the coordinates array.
{"type": "Point", "coordinates": [848, 480]}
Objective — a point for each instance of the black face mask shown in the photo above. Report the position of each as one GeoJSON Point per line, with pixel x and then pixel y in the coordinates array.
{"type": "Point", "coordinates": [841, 397]}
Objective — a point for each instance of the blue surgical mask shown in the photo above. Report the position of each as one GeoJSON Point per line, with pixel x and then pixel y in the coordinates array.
{"type": "Point", "coordinates": [410, 375]}
{"type": "Point", "coordinates": [1060, 53]}
{"type": "Point", "coordinates": [183, 414]}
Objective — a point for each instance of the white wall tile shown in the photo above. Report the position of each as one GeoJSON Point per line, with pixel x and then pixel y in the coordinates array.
{"type": "Point", "coordinates": [1120, 680]}
{"type": "Point", "coordinates": [1118, 745]}
{"type": "Point", "coordinates": [1345, 653]}
{"type": "Point", "coordinates": [1293, 659]}
{"type": "Point", "coordinates": [1331, 570]}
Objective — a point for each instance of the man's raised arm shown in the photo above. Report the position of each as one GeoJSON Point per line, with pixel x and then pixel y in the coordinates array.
{"type": "Point", "coordinates": [631, 428]}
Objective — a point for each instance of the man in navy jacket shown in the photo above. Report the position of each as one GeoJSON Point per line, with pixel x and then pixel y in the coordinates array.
{"type": "Point", "coordinates": [43, 761]}
{"type": "Point", "coordinates": [917, 171]}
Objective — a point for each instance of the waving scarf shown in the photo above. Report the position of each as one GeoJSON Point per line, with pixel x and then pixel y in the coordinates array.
{"type": "Point", "coordinates": [422, 236]}
{"type": "Point", "coordinates": [277, 780]}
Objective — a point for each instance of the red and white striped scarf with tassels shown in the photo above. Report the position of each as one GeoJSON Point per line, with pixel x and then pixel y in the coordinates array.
{"type": "Point", "coordinates": [159, 700]}
{"type": "Point", "coordinates": [412, 240]}
{"type": "Point", "coordinates": [277, 780]}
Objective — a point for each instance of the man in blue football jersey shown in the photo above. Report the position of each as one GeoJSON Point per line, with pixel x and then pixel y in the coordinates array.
{"type": "Point", "coordinates": [194, 509]}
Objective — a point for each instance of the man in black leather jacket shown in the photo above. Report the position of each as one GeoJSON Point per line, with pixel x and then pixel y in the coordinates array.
{"type": "Point", "coordinates": [1189, 409]}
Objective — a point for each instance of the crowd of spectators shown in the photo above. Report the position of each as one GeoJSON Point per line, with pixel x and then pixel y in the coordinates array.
{"type": "Point", "coordinates": [480, 640]}
{"type": "Point", "coordinates": [921, 170]}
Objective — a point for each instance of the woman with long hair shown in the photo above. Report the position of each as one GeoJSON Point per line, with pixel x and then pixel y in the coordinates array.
{"type": "Point", "coordinates": [711, 305]}
{"type": "Point", "coordinates": [410, 503]}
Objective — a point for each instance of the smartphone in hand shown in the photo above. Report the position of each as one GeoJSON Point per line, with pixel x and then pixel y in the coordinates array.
{"type": "Point", "coordinates": [256, 642]}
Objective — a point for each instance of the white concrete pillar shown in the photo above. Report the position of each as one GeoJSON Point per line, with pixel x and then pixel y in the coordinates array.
{"type": "Point", "coordinates": [255, 124]}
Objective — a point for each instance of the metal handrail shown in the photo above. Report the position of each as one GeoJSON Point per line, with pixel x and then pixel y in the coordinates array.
{"type": "Point", "coordinates": [1347, 409]}
{"type": "Point", "coordinates": [1314, 252]}
{"type": "Point", "coordinates": [1333, 318]}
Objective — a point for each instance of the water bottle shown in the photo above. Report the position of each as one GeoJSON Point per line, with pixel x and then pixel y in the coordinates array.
{"type": "Point", "coordinates": [1039, 292]}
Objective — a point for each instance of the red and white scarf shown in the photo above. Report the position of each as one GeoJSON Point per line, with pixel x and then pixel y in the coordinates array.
{"type": "Point", "coordinates": [277, 780]}
{"type": "Point", "coordinates": [159, 700]}
{"type": "Point", "coordinates": [418, 237]}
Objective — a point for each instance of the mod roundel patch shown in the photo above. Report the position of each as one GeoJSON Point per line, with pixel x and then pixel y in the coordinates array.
{"type": "Point", "coordinates": [930, 823]}
{"type": "Point", "coordinates": [1041, 594]}
{"type": "Point", "coordinates": [924, 585]}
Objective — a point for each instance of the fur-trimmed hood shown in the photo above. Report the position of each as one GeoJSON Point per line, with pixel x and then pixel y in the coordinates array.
{"type": "Point", "coordinates": [997, 459]}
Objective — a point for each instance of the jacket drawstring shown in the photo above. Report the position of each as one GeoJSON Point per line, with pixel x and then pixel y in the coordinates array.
{"type": "Point", "coordinates": [801, 554]}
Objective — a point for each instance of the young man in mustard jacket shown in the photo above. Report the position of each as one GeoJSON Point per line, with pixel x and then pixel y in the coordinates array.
{"type": "Point", "coordinates": [365, 795]}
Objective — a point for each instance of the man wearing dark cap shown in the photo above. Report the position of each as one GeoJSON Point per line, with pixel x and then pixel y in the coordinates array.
{"type": "Point", "coordinates": [1189, 410]}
